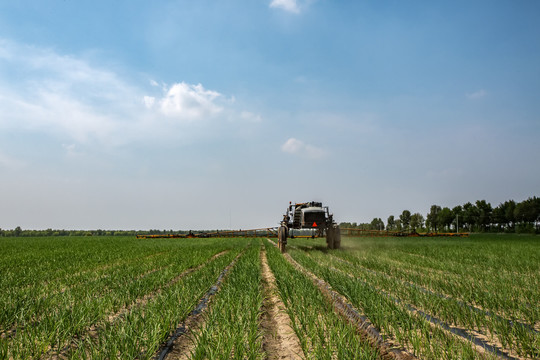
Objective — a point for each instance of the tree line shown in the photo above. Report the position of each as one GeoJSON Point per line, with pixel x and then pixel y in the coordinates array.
{"type": "Point", "coordinates": [480, 216]}
{"type": "Point", "coordinates": [18, 232]}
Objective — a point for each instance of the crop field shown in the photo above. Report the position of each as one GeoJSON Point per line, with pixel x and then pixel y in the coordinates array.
{"type": "Point", "coordinates": [240, 298]}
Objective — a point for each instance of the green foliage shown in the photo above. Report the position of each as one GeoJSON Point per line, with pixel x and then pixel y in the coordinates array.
{"type": "Point", "coordinates": [483, 283]}
{"type": "Point", "coordinates": [232, 321]}
{"type": "Point", "coordinates": [322, 333]}
{"type": "Point", "coordinates": [417, 221]}
{"type": "Point", "coordinates": [432, 218]}
{"type": "Point", "coordinates": [53, 289]}
{"type": "Point", "coordinates": [405, 218]}
{"type": "Point", "coordinates": [391, 223]}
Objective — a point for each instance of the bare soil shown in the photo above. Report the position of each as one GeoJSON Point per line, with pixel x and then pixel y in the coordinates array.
{"type": "Point", "coordinates": [279, 341]}
{"type": "Point", "coordinates": [389, 349]}
{"type": "Point", "coordinates": [184, 345]}
{"type": "Point", "coordinates": [94, 329]}
{"type": "Point", "coordinates": [490, 339]}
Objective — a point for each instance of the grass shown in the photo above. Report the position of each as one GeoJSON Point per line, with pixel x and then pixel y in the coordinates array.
{"type": "Point", "coordinates": [121, 297]}
{"type": "Point", "coordinates": [322, 333]}
{"type": "Point", "coordinates": [485, 284]}
{"type": "Point", "coordinates": [233, 319]}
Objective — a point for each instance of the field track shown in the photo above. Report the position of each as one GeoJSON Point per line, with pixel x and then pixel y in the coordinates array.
{"type": "Point", "coordinates": [241, 298]}
{"type": "Point", "coordinates": [280, 341]}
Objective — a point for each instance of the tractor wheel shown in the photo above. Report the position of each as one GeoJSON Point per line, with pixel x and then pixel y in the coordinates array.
{"type": "Point", "coordinates": [330, 237]}
{"type": "Point", "coordinates": [282, 238]}
{"type": "Point", "coordinates": [337, 237]}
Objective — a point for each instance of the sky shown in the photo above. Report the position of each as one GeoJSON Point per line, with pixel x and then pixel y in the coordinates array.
{"type": "Point", "coordinates": [215, 114]}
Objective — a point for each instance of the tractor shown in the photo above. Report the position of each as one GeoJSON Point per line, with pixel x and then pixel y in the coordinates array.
{"type": "Point", "coordinates": [309, 215]}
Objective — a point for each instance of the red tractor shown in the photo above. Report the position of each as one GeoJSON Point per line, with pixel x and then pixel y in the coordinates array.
{"type": "Point", "coordinates": [309, 215]}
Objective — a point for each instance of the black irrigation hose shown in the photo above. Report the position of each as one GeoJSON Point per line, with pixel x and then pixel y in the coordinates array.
{"type": "Point", "coordinates": [427, 291]}
{"type": "Point", "coordinates": [457, 331]}
{"type": "Point", "coordinates": [203, 303]}
{"type": "Point", "coordinates": [349, 311]}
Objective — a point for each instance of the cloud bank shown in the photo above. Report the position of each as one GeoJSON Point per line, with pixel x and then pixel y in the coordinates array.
{"type": "Point", "coordinates": [186, 102]}
{"type": "Point", "coordinates": [42, 91]}
{"type": "Point", "coordinates": [287, 5]}
{"type": "Point", "coordinates": [299, 148]}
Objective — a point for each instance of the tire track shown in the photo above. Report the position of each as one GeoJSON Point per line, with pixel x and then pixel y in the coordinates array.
{"type": "Point", "coordinates": [476, 309]}
{"type": "Point", "coordinates": [179, 345]}
{"type": "Point", "coordinates": [479, 343]}
{"type": "Point", "coordinates": [343, 307]}
{"type": "Point", "coordinates": [94, 329]}
{"type": "Point", "coordinates": [279, 341]}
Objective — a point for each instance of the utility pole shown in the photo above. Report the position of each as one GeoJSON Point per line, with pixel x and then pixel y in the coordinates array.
{"type": "Point", "coordinates": [457, 224]}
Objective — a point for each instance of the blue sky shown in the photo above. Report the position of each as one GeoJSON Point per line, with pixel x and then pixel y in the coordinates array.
{"type": "Point", "coordinates": [216, 114]}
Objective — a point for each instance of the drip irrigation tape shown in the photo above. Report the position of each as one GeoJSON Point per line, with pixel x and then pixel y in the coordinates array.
{"type": "Point", "coordinates": [203, 303]}
{"type": "Point", "coordinates": [512, 323]}
{"type": "Point", "coordinates": [352, 314]}
{"type": "Point", "coordinates": [457, 331]}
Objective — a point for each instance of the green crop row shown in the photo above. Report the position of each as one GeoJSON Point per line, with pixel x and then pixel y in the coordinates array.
{"type": "Point", "coordinates": [512, 336]}
{"type": "Point", "coordinates": [514, 297]}
{"type": "Point", "coordinates": [491, 286]}
{"type": "Point", "coordinates": [506, 284]}
{"type": "Point", "coordinates": [231, 326]}
{"type": "Point", "coordinates": [43, 324]}
{"type": "Point", "coordinates": [322, 333]}
{"type": "Point", "coordinates": [144, 328]}
{"type": "Point", "coordinates": [392, 319]}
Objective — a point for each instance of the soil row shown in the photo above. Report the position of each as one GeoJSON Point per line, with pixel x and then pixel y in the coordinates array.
{"type": "Point", "coordinates": [280, 340]}
{"type": "Point", "coordinates": [94, 329]}
{"type": "Point", "coordinates": [180, 344]}
{"type": "Point", "coordinates": [388, 347]}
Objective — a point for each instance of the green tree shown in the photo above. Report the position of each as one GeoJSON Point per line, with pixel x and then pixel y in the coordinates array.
{"type": "Point", "coordinates": [457, 213]}
{"type": "Point", "coordinates": [17, 231]}
{"type": "Point", "coordinates": [377, 224]}
{"type": "Point", "coordinates": [405, 218]}
{"type": "Point", "coordinates": [391, 223]}
{"type": "Point", "coordinates": [528, 210]}
{"type": "Point", "coordinates": [503, 216]}
{"type": "Point", "coordinates": [509, 209]}
{"type": "Point", "coordinates": [432, 217]}
{"type": "Point", "coordinates": [444, 218]}
{"type": "Point", "coordinates": [417, 221]}
{"type": "Point", "coordinates": [484, 214]}
{"type": "Point", "coordinates": [470, 215]}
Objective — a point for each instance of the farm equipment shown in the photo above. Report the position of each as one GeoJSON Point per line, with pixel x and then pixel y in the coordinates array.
{"type": "Point", "coordinates": [309, 215]}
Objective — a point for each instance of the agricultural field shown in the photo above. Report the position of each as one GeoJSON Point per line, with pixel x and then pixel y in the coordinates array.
{"type": "Point", "coordinates": [240, 298]}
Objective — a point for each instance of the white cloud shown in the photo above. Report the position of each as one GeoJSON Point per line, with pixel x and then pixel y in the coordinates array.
{"type": "Point", "coordinates": [72, 150]}
{"type": "Point", "coordinates": [251, 117]}
{"type": "Point", "coordinates": [42, 91]}
{"type": "Point", "coordinates": [477, 94]}
{"type": "Point", "coordinates": [149, 101]}
{"type": "Point", "coordinates": [298, 147]}
{"type": "Point", "coordinates": [287, 5]}
{"type": "Point", "coordinates": [191, 102]}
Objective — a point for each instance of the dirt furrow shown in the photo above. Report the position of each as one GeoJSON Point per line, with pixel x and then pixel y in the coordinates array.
{"type": "Point", "coordinates": [147, 297]}
{"type": "Point", "coordinates": [280, 341]}
{"type": "Point", "coordinates": [480, 342]}
{"type": "Point", "coordinates": [181, 345]}
{"type": "Point", "coordinates": [94, 329]}
{"type": "Point", "coordinates": [388, 349]}
{"type": "Point", "coordinates": [474, 307]}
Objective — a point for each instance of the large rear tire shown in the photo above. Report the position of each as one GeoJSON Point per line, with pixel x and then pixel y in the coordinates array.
{"type": "Point", "coordinates": [337, 236]}
{"type": "Point", "coordinates": [330, 237]}
{"type": "Point", "coordinates": [282, 238]}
